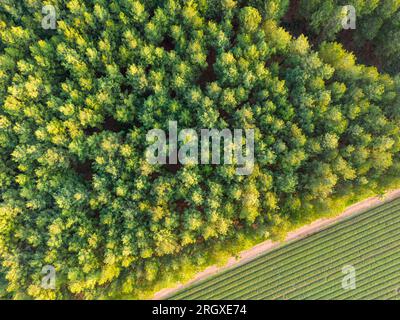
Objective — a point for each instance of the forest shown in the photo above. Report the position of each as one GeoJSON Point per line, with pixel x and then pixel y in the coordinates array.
{"type": "Point", "coordinates": [77, 101]}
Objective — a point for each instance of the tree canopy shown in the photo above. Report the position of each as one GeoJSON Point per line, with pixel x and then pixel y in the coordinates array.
{"type": "Point", "coordinates": [76, 103]}
{"type": "Point", "coordinates": [376, 37]}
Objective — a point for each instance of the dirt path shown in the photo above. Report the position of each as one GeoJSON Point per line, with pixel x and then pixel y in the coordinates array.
{"type": "Point", "coordinates": [262, 248]}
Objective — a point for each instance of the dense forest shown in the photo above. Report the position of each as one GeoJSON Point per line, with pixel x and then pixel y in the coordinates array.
{"type": "Point", "coordinates": [76, 102]}
{"type": "Point", "coordinates": [376, 39]}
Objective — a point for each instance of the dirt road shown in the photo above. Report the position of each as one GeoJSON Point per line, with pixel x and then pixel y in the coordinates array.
{"type": "Point", "coordinates": [266, 246]}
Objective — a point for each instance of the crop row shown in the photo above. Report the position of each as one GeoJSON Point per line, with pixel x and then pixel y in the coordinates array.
{"type": "Point", "coordinates": [372, 225]}
{"type": "Point", "coordinates": [334, 262]}
{"type": "Point", "coordinates": [328, 289]}
{"type": "Point", "coordinates": [305, 267]}
{"type": "Point", "coordinates": [332, 288]}
{"type": "Point", "coordinates": [257, 265]}
{"type": "Point", "coordinates": [358, 221]}
{"type": "Point", "coordinates": [308, 268]}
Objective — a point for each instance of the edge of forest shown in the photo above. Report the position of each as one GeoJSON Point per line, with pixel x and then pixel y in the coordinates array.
{"type": "Point", "coordinates": [262, 248]}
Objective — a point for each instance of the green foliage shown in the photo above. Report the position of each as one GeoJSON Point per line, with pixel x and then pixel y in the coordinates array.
{"type": "Point", "coordinates": [377, 34]}
{"type": "Point", "coordinates": [76, 104]}
{"type": "Point", "coordinates": [311, 268]}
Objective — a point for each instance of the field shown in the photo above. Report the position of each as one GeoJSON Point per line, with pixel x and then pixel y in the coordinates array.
{"type": "Point", "coordinates": [311, 268]}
